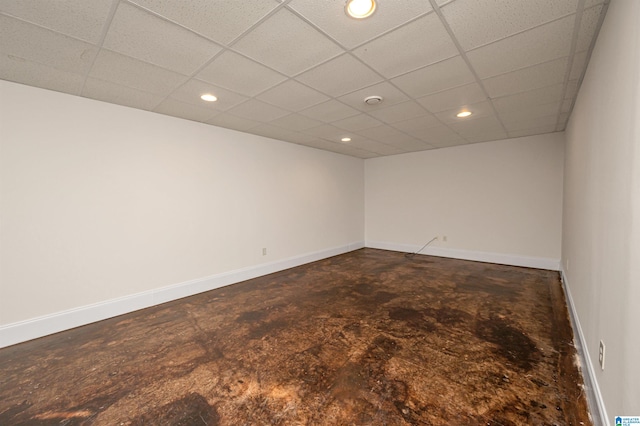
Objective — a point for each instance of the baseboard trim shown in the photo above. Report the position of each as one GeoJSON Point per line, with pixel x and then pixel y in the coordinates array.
{"type": "Point", "coordinates": [478, 256]}
{"type": "Point", "coordinates": [592, 390]}
{"type": "Point", "coordinates": [34, 328]}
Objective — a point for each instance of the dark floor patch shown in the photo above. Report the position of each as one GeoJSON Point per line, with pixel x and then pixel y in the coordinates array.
{"type": "Point", "coordinates": [448, 316]}
{"type": "Point", "coordinates": [193, 409]}
{"type": "Point", "coordinates": [511, 342]}
{"type": "Point", "coordinates": [252, 316]}
{"type": "Point", "coordinates": [489, 285]}
{"type": "Point", "coordinates": [384, 297]}
{"type": "Point", "coordinates": [405, 314]}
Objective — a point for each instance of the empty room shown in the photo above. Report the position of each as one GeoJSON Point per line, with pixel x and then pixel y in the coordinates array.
{"type": "Point", "coordinates": [303, 212]}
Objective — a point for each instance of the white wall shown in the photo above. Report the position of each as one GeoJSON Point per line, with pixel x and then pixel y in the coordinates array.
{"type": "Point", "coordinates": [601, 226]}
{"type": "Point", "coordinates": [497, 201]}
{"type": "Point", "coordinates": [100, 201]}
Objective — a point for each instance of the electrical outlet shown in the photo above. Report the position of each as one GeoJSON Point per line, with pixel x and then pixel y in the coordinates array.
{"type": "Point", "coordinates": [601, 354]}
{"type": "Point", "coordinates": [264, 251]}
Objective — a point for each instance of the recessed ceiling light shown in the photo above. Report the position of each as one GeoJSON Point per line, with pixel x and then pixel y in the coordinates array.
{"type": "Point", "coordinates": [360, 9]}
{"type": "Point", "coordinates": [463, 114]}
{"type": "Point", "coordinates": [346, 139]}
{"type": "Point", "coordinates": [208, 97]}
{"type": "Point", "coordinates": [373, 100]}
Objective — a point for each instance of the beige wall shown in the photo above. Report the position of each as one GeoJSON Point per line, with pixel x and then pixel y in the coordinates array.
{"type": "Point", "coordinates": [501, 197]}
{"type": "Point", "coordinates": [601, 226]}
{"type": "Point", "coordinates": [100, 201]}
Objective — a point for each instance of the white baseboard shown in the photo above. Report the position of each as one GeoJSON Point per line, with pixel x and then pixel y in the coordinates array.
{"type": "Point", "coordinates": [592, 390]}
{"type": "Point", "coordinates": [23, 331]}
{"type": "Point", "coordinates": [478, 256]}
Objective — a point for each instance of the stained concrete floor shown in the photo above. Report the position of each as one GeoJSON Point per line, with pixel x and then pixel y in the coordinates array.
{"type": "Point", "coordinates": [366, 338]}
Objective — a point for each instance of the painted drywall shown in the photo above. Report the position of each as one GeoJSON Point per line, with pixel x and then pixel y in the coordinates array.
{"type": "Point", "coordinates": [601, 224]}
{"type": "Point", "coordinates": [99, 201]}
{"type": "Point", "coordinates": [498, 198]}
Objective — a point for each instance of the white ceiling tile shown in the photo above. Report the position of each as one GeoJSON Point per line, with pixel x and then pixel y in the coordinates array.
{"type": "Point", "coordinates": [296, 122]}
{"type": "Point", "coordinates": [375, 147]}
{"type": "Point", "coordinates": [424, 42]}
{"type": "Point", "coordinates": [532, 123]}
{"type": "Point", "coordinates": [479, 110]}
{"type": "Point", "coordinates": [286, 43]}
{"type": "Point", "coordinates": [523, 100]}
{"type": "Point", "coordinates": [562, 120]}
{"type": "Point", "coordinates": [114, 93]}
{"type": "Point", "coordinates": [453, 98]}
{"type": "Point", "coordinates": [528, 112]}
{"type": "Point", "coordinates": [479, 126]}
{"type": "Point", "coordinates": [479, 22]}
{"type": "Point", "coordinates": [489, 136]}
{"type": "Point", "coordinates": [532, 131]}
{"type": "Point", "coordinates": [435, 78]}
{"type": "Point", "coordinates": [357, 122]}
{"type": "Point", "coordinates": [590, 3]}
{"type": "Point", "coordinates": [183, 110]}
{"type": "Point", "coordinates": [237, 73]}
{"type": "Point", "coordinates": [76, 18]}
{"type": "Point", "coordinates": [572, 89]}
{"type": "Point", "coordinates": [588, 27]}
{"type": "Point", "coordinates": [257, 110]}
{"type": "Point", "coordinates": [388, 92]}
{"type": "Point", "coordinates": [537, 76]}
{"type": "Point", "coordinates": [191, 91]}
{"type": "Point", "coordinates": [327, 131]}
{"type": "Point", "coordinates": [273, 132]}
{"type": "Point", "coordinates": [136, 33]}
{"type": "Point", "coordinates": [331, 18]}
{"type": "Point", "coordinates": [329, 111]}
{"type": "Point", "coordinates": [32, 73]}
{"type": "Point", "coordinates": [417, 126]}
{"type": "Point", "coordinates": [126, 71]}
{"type": "Point", "coordinates": [541, 44]}
{"type": "Point", "coordinates": [399, 112]}
{"type": "Point", "coordinates": [386, 134]}
{"type": "Point", "coordinates": [23, 40]}
{"type": "Point", "coordinates": [579, 65]}
{"type": "Point", "coordinates": [413, 146]}
{"type": "Point", "coordinates": [300, 139]}
{"type": "Point", "coordinates": [292, 96]}
{"type": "Point", "coordinates": [340, 75]}
{"type": "Point", "coordinates": [340, 148]}
{"type": "Point", "coordinates": [439, 136]}
{"type": "Point", "coordinates": [230, 121]}
{"type": "Point", "coordinates": [220, 20]}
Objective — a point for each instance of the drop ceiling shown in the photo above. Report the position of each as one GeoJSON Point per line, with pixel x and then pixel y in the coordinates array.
{"type": "Point", "coordinates": [299, 70]}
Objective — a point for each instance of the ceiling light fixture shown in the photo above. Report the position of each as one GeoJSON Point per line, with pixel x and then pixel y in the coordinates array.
{"type": "Point", "coordinates": [463, 114]}
{"type": "Point", "coordinates": [360, 9]}
{"type": "Point", "coordinates": [373, 100]}
{"type": "Point", "coordinates": [208, 97]}
{"type": "Point", "coordinates": [346, 139]}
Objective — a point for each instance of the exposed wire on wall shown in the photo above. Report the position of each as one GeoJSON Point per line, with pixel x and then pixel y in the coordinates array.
{"type": "Point", "coordinates": [410, 255]}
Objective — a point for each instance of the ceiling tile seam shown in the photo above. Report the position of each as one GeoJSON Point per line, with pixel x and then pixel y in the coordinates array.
{"type": "Point", "coordinates": [188, 77]}
{"type": "Point", "coordinates": [521, 32]}
{"type": "Point", "coordinates": [464, 57]}
{"type": "Point", "coordinates": [346, 49]}
{"type": "Point", "coordinates": [577, 22]}
{"type": "Point", "coordinates": [526, 67]}
{"type": "Point", "coordinates": [103, 36]}
{"type": "Point", "coordinates": [603, 12]}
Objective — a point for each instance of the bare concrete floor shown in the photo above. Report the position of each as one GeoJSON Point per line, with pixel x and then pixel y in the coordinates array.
{"type": "Point", "coordinates": [366, 338]}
